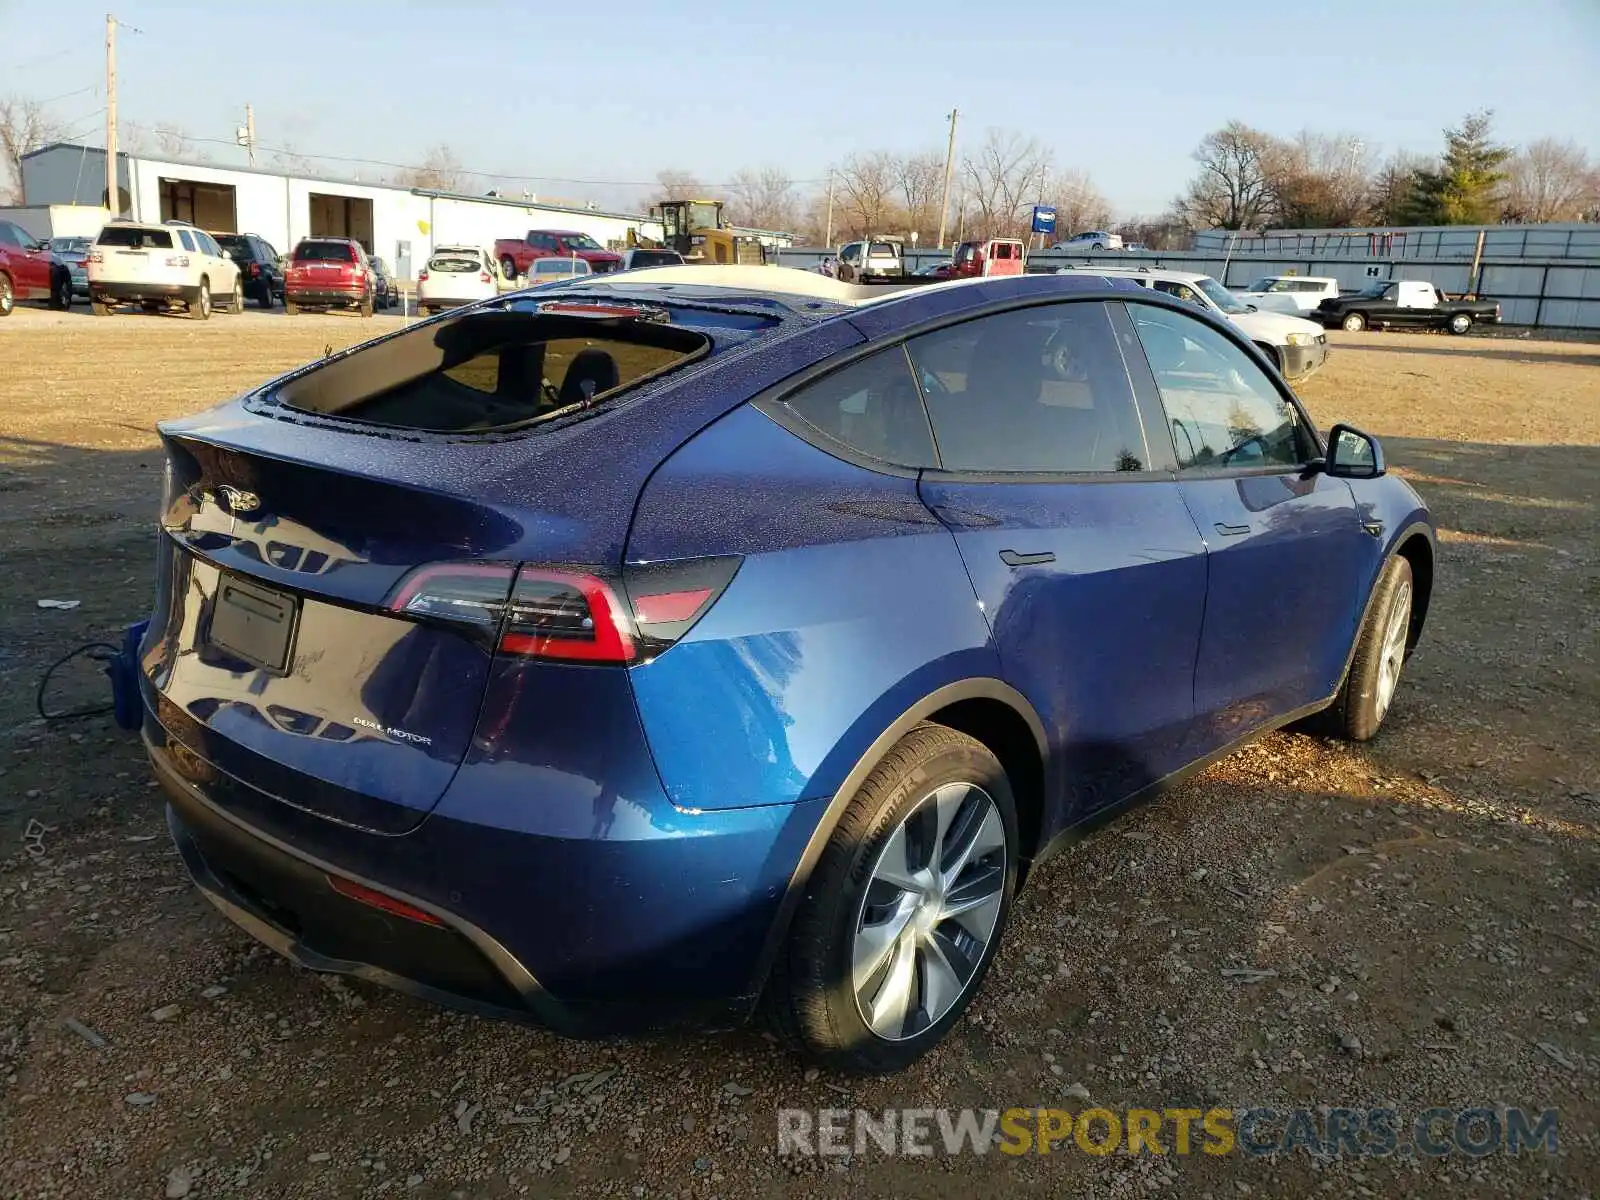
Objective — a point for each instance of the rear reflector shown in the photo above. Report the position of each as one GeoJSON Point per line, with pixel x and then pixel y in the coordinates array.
{"type": "Point", "coordinates": [669, 606]}
{"type": "Point", "coordinates": [373, 898]}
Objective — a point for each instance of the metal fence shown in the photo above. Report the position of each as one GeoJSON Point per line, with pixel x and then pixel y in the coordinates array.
{"type": "Point", "coordinates": [1548, 293]}
{"type": "Point", "coordinates": [1566, 241]}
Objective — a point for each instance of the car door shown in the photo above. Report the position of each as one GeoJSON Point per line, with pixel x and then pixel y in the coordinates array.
{"type": "Point", "coordinates": [1285, 549]}
{"type": "Point", "coordinates": [30, 264]}
{"type": "Point", "coordinates": [1075, 536]}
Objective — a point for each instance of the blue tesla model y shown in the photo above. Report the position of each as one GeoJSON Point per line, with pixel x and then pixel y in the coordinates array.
{"type": "Point", "coordinates": [662, 648]}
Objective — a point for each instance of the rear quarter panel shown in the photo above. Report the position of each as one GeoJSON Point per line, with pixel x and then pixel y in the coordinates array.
{"type": "Point", "coordinates": [851, 605]}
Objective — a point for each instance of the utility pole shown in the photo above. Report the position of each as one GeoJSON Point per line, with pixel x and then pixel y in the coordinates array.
{"type": "Point", "coordinates": [827, 237]}
{"type": "Point", "coordinates": [112, 199]}
{"type": "Point", "coordinates": [250, 132]}
{"type": "Point", "coordinates": [949, 164]}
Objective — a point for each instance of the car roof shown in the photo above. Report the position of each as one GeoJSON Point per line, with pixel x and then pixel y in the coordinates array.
{"type": "Point", "coordinates": [453, 248]}
{"type": "Point", "coordinates": [1140, 273]}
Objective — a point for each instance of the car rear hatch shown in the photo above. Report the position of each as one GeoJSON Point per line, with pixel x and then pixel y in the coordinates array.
{"type": "Point", "coordinates": [324, 267]}
{"type": "Point", "coordinates": [125, 254]}
{"type": "Point", "coordinates": [338, 550]}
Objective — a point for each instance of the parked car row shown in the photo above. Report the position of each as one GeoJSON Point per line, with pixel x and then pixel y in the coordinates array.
{"type": "Point", "coordinates": [29, 271]}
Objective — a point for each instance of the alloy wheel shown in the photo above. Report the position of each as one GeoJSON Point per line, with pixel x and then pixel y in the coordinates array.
{"type": "Point", "coordinates": [929, 911]}
{"type": "Point", "coordinates": [1393, 655]}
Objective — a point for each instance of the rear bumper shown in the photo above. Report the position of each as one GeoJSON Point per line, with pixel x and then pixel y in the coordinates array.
{"type": "Point", "coordinates": [126, 293]}
{"type": "Point", "coordinates": [348, 297]}
{"type": "Point", "coordinates": [567, 928]}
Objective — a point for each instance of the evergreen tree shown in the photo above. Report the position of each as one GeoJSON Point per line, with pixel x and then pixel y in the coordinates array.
{"type": "Point", "coordinates": [1464, 189]}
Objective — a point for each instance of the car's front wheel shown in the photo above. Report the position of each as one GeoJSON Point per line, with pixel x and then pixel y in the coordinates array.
{"type": "Point", "coordinates": [1460, 323]}
{"type": "Point", "coordinates": [1381, 648]}
{"type": "Point", "coordinates": [1354, 323]}
{"type": "Point", "coordinates": [905, 907]}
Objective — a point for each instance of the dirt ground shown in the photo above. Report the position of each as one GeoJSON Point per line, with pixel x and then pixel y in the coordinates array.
{"type": "Point", "coordinates": [1421, 911]}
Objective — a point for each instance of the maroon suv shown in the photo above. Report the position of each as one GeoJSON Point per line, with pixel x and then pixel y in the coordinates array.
{"type": "Point", "coordinates": [329, 272]}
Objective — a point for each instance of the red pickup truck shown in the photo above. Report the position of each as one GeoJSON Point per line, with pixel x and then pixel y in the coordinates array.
{"type": "Point", "coordinates": [515, 254]}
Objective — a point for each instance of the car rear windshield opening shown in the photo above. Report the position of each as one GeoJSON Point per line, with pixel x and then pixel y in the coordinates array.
{"type": "Point", "coordinates": [454, 263]}
{"type": "Point", "coordinates": [137, 239]}
{"type": "Point", "coordinates": [487, 371]}
{"type": "Point", "coordinates": [324, 252]}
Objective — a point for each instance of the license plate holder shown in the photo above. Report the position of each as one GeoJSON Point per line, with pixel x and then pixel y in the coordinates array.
{"type": "Point", "coordinates": [254, 623]}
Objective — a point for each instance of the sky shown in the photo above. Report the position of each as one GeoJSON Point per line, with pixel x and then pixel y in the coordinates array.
{"type": "Point", "coordinates": [597, 99]}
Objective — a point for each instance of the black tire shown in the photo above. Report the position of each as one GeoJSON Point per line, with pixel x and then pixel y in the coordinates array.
{"type": "Point", "coordinates": [508, 268]}
{"type": "Point", "coordinates": [200, 306]}
{"type": "Point", "coordinates": [290, 308]}
{"type": "Point", "coordinates": [1360, 707]}
{"type": "Point", "coordinates": [8, 295]}
{"type": "Point", "coordinates": [1272, 354]}
{"type": "Point", "coordinates": [1353, 322]}
{"type": "Point", "coordinates": [237, 305]}
{"type": "Point", "coordinates": [1097, 246]}
{"type": "Point", "coordinates": [811, 998]}
{"type": "Point", "coordinates": [61, 291]}
{"type": "Point", "coordinates": [365, 307]}
{"type": "Point", "coordinates": [1460, 323]}
{"type": "Point", "coordinates": [264, 300]}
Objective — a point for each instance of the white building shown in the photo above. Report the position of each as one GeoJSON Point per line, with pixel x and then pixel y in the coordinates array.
{"type": "Point", "coordinates": [400, 224]}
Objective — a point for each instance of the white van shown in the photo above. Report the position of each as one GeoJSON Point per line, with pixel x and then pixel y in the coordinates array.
{"type": "Point", "coordinates": [1297, 347]}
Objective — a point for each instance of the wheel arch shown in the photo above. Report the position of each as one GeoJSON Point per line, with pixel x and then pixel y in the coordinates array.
{"type": "Point", "coordinates": [987, 709]}
{"type": "Point", "coordinates": [1416, 547]}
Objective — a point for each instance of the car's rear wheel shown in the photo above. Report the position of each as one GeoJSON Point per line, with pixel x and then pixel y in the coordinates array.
{"type": "Point", "coordinates": [264, 299]}
{"type": "Point", "coordinates": [290, 307]}
{"type": "Point", "coordinates": [905, 907]}
{"type": "Point", "coordinates": [200, 306]}
{"type": "Point", "coordinates": [8, 295]}
{"type": "Point", "coordinates": [508, 268]}
{"type": "Point", "coordinates": [365, 308]}
{"type": "Point", "coordinates": [61, 292]}
{"type": "Point", "coordinates": [1460, 323]}
{"type": "Point", "coordinates": [237, 305]}
{"type": "Point", "coordinates": [1381, 648]}
{"type": "Point", "coordinates": [1354, 323]}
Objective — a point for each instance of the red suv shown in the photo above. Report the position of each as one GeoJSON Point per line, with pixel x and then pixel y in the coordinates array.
{"type": "Point", "coordinates": [28, 271]}
{"type": "Point", "coordinates": [329, 272]}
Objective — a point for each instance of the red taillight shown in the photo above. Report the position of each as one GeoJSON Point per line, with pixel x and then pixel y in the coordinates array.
{"type": "Point", "coordinates": [255, 270]}
{"type": "Point", "coordinates": [483, 277]}
{"type": "Point", "coordinates": [422, 275]}
{"type": "Point", "coordinates": [373, 898]}
{"type": "Point", "coordinates": [567, 613]}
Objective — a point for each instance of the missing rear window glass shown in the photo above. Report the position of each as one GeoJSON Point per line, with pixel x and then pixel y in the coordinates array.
{"type": "Point", "coordinates": [493, 370]}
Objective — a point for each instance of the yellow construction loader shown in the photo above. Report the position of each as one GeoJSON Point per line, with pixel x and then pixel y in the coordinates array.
{"type": "Point", "coordinates": [696, 230]}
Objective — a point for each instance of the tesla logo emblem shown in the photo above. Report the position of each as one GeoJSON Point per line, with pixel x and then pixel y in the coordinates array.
{"type": "Point", "coordinates": [237, 501]}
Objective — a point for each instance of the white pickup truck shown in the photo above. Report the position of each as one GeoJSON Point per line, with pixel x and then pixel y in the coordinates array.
{"type": "Point", "coordinates": [1292, 294]}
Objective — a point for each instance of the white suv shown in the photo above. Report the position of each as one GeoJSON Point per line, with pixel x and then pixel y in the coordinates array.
{"type": "Point", "coordinates": [457, 275]}
{"type": "Point", "coordinates": [158, 266]}
{"type": "Point", "coordinates": [1297, 347]}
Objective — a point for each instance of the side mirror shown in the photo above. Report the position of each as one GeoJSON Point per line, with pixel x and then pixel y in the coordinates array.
{"type": "Point", "coordinates": [1353, 454]}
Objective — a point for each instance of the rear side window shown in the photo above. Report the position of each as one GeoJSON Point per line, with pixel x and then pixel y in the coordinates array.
{"type": "Point", "coordinates": [1224, 411]}
{"type": "Point", "coordinates": [881, 249]}
{"type": "Point", "coordinates": [324, 252]}
{"type": "Point", "coordinates": [8, 236]}
{"type": "Point", "coordinates": [184, 238]}
{"type": "Point", "coordinates": [136, 239]}
{"type": "Point", "coordinates": [1038, 390]}
{"type": "Point", "coordinates": [872, 407]}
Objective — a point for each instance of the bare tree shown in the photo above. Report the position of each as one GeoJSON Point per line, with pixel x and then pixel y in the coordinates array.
{"type": "Point", "coordinates": [919, 179]}
{"type": "Point", "coordinates": [680, 185]}
{"type": "Point", "coordinates": [1006, 172]}
{"type": "Point", "coordinates": [1390, 196]}
{"type": "Point", "coordinates": [288, 159]}
{"type": "Point", "coordinates": [763, 198]}
{"type": "Point", "coordinates": [25, 126]}
{"type": "Point", "coordinates": [439, 171]}
{"type": "Point", "coordinates": [173, 141]}
{"type": "Point", "coordinates": [865, 193]}
{"type": "Point", "coordinates": [1078, 203]}
{"type": "Point", "coordinates": [1319, 180]}
{"type": "Point", "coordinates": [1233, 189]}
{"type": "Point", "coordinates": [1550, 181]}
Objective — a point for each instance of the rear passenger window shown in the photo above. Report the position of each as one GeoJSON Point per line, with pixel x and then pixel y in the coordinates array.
{"type": "Point", "coordinates": [1223, 409]}
{"type": "Point", "coordinates": [1039, 389]}
{"type": "Point", "coordinates": [185, 240]}
{"type": "Point", "coordinates": [872, 407]}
